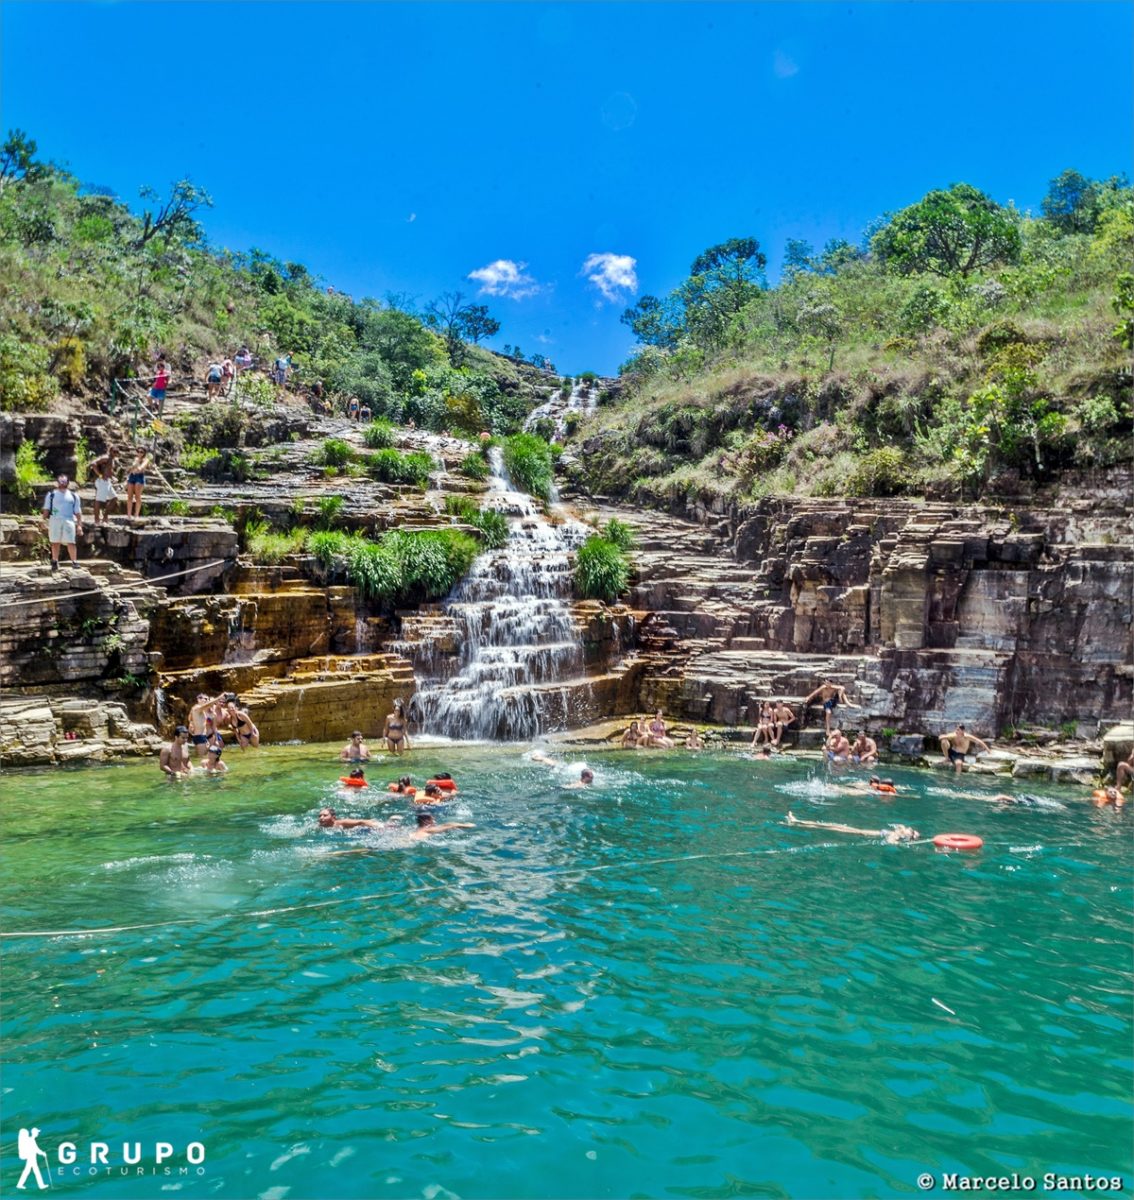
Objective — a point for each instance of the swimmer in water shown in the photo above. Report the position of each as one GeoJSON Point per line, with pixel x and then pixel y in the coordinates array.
{"type": "Point", "coordinates": [329, 819]}
{"type": "Point", "coordinates": [693, 741]}
{"type": "Point", "coordinates": [431, 795]}
{"type": "Point", "coordinates": [892, 835]}
{"type": "Point", "coordinates": [355, 750]}
{"type": "Point", "coordinates": [427, 825]}
{"type": "Point", "coordinates": [586, 778]}
{"type": "Point", "coordinates": [538, 756]}
{"type": "Point", "coordinates": [1109, 796]}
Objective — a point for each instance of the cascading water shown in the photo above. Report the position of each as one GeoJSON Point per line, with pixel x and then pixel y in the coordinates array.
{"type": "Point", "coordinates": [516, 635]}
{"type": "Point", "coordinates": [582, 401]}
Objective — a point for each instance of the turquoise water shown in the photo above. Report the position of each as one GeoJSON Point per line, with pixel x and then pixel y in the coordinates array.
{"type": "Point", "coordinates": [653, 988]}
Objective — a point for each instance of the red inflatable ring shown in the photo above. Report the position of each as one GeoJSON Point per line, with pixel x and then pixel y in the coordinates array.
{"type": "Point", "coordinates": [353, 782]}
{"type": "Point", "coordinates": [958, 841]}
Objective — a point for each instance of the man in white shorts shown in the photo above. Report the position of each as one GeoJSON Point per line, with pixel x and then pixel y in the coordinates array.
{"type": "Point", "coordinates": [63, 512]}
{"type": "Point", "coordinates": [104, 494]}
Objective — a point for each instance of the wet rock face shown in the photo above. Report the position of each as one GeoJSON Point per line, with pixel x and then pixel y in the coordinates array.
{"type": "Point", "coordinates": [64, 628]}
{"type": "Point", "coordinates": [198, 549]}
{"type": "Point", "coordinates": [928, 613]}
{"type": "Point", "coordinates": [38, 730]}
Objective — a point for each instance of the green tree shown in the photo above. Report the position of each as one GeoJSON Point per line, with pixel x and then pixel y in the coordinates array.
{"type": "Point", "coordinates": [475, 323]}
{"type": "Point", "coordinates": [172, 219]}
{"type": "Point", "coordinates": [799, 256]}
{"type": "Point", "coordinates": [654, 322]}
{"type": "Point", "coordinates": [17, 158]}
{"type": "Point", "coordinates": [723, 280]}
{"type": "Point", "coordinates": [950, 232]}
{"type": "Point", "coordinates": [1071, 203]}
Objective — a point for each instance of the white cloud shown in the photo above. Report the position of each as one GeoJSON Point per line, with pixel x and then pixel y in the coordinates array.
{"type": "Point", "coordinates": [505, 278]}
{"type": "Point", "coordinates": [611, 273]}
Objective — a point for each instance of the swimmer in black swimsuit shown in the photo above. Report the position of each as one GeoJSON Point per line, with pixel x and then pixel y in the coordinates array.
{"type": "Point", "coordinates": [215, 748]}
{"type": "Point", "coordinates": [394, 730]}
{"type": "Point", "coordinates": [243, 729]}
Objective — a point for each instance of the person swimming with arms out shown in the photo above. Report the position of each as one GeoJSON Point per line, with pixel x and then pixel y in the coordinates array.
{"type": "Point", "coordinates": [427, 826]}
{"type": "Point", "coordinates": [329, 819]}
{"type": "Point", "coordinates": [892, 835]}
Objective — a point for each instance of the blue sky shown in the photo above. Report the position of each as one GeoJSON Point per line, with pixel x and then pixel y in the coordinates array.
{"type": "Point", "coordinates": [402, 148]}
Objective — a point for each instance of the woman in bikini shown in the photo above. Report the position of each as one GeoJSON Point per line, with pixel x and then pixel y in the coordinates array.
{"type": "Point", "coordinates": [394, 730]}
{"type": "Point", "coordinates": [135, 482]}
{"type": "Point", "coordinates": [765, 724]}
{"type": "Point", "coordinates": [243, 729]}
{"type": "Point", "coordinates": [656, 733]}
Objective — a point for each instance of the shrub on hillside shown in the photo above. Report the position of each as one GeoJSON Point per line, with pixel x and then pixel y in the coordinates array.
{"type": "Point", "coordinates": [490, 522]}
{"type": "Point", "coordinates": [379, 434]}
{"type": "Point", "coordinates": [602, 570]}
{"type": "Point", "coordinates": [25, 383]}
{"type": "Point", "coordinates": [392, 466]}
{"type": "Point", "coordinates": [527, 459]}
{"type": "Point", "coordinates": [334, 452]}
{"type": "Point", "coordinates": [881, 472]}
{"type": "Point", "coordinates": [474, 466]}
{"type": "Point", "coordinates": [266, 545]}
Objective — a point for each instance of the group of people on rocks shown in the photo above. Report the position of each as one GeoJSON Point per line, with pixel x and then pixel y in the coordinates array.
{"type": "Point", "coordinates": [655, 736]}
{"type": "Point", "coordinates": [63, 506]}
{"type": "Point", "coordinates": [206, 718]}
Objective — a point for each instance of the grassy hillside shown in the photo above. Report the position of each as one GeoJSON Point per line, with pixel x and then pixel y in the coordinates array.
{"type": "Point", "coordinates": [962, 348]}
{"type": "Point", "coordinates": [91, 291]}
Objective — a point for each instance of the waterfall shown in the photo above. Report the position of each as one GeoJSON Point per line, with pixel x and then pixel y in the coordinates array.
{"type": "Point", "coordinates": [516, 643]}
{"type": "Point", "coordinates": [582, 400]}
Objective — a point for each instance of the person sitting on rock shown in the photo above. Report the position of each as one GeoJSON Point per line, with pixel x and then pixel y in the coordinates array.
{"type": "Point", "coordinates": [838, 747]}
{"type": "Point", "coordinates": [782, 717]}
{"type": "Point", "coordinates": [656, 735]}
{"type": "Point", "coordinates": [864, 751]}
{"type": "Point", "coordinates": [765, 725]}
{"type": "Point", "coordinates": [633, 737]}
{"type": "Point", "coordinates": [174, 759]}
{"type": "Point", "coordinates": [355, 750]}
{"type": "Point", "coordinates": [955, 745]}
{"type": "Point", "coordinates": [830, 695]}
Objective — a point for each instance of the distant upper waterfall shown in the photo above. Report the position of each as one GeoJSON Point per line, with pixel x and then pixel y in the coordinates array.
{"type": "Point", "coordinates": [515, 636]}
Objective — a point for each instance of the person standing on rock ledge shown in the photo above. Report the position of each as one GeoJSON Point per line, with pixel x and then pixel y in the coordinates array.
{"type": "Point", "coordinates": [830, 695]}
{"type": "Point", "coordinates": [955, 745]}
{"type": "Point", "coordinates": [394, 730]}
{"type": "Point", "coordinates": [103, 469]}
{"type": "Point", "coordinates": [63, 512]}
